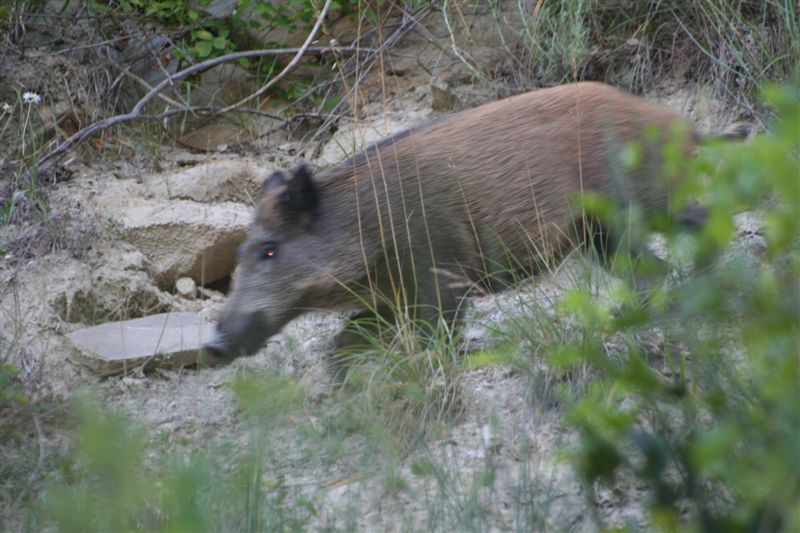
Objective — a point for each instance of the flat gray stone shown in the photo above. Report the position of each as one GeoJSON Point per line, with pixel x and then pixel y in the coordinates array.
{"type": "Point", "coordinates": [165, 340]}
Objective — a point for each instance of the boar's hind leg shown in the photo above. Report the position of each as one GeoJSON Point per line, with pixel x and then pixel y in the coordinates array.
{"type": "Point", "coordinates": [693, 217]}
{"type": "Point", "coordinates": [650, 269]}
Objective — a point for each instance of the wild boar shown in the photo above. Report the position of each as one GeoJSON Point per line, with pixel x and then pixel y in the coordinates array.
{"type": "Point", "coordinates": [407, 226]}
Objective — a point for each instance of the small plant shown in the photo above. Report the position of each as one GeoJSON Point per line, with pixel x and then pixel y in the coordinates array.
{"type": "Point", "coordinates": [27, 419]}
{"type": "Point", "coordinates": [203, 35]}
{"type": "Point", "coordinates": [405, 379]}
{"type": "Point", "coordinates": [23, 192]}
{"type": "Point", "coordinates": [111, 482]}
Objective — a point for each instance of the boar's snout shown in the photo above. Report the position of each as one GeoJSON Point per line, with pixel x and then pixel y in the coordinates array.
{"type": "Point", "coordinates": [235, 337]}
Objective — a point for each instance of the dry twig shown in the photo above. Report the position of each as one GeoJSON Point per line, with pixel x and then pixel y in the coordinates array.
{"type": "Point", "coordinates": [137, 112]}
{"type": "Point", "coordinates": [409, 21]}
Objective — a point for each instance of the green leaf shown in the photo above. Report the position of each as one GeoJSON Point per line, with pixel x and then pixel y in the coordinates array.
{"type": "Point", "coordinates": [720, 227]}
{"type": "Point", "coordinates": [219, 43]}
{"type": "Point", "coordinates": [204, 34]}
{"type": "Point", "coordinates": [633, 156]}
{"type": "Point", "coordinates": [202, 48]}
{"type": "Point", "coordinates": [598, 458]}
{"type": "Point", "coordinates": [566, 356]}
{"type": "Point", "coordinates": [713, 448]}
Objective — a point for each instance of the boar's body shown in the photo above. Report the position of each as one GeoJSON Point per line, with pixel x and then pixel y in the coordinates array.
{"type": "Point", "coordinates": [480, 194]}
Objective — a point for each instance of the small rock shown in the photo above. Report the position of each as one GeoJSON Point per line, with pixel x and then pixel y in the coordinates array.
{"type": "Point", "coordinates": [749, 222]}
{"type": "Point", "coordinates": [211, 294]}
{"type": "Point", "coordinates": [132, 260]}
{"type": "Point", "coordinates": [208, 137]}
{"type": "Point", "coordinates": [443, 97]}
{"type": "Point", "coordinates": [353, 137]}
{"type": "Point", "coordinates": [219, 8]}
{"type": "Point", "coordinates": [186, 287]}
{"type": "Point", "coordinates": [288, 147]}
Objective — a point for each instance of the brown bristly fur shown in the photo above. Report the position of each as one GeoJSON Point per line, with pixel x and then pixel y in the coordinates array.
{"type": "Point", "coordinates": [481, 196]}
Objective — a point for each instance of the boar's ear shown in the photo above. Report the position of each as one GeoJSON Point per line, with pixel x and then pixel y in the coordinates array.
{"type": "Point", "coordinates": [300, 194]}
{"type": "Point", "coordinates": [274, 180]}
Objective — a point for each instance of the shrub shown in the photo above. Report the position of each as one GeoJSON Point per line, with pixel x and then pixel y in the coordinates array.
{"type": "Point", "coordinates": [714, 433]}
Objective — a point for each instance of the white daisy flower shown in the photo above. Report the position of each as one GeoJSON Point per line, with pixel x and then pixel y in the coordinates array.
{"type": "Point", "coordinates": [31, 98]}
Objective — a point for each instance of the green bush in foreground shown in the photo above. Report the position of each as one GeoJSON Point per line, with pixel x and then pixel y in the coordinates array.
{"type": "Point", "coordinates": [715, 433]}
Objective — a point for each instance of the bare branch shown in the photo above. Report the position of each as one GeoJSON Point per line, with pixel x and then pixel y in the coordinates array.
{"type": "Point", "coordinates": [409, 21]}
{"type": "Point", "coordinates": [310, 39]}
{"type": "Point", "coordinates": [137, 112]}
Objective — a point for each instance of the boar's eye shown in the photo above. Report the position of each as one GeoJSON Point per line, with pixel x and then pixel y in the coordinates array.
{"type": "Point", "coordinates": [268, 250]}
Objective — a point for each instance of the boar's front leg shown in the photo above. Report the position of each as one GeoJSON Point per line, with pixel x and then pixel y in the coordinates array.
{"type": "Point", "coordinates": [362, 332]}
{"type": "Point", "coordinates": [433, 318]}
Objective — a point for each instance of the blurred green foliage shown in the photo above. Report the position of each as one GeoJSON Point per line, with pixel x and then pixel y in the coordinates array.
{"type": "Point", "coordinates": [114, 479]}
{"type": "Point", "coordinates": [714, 430]}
